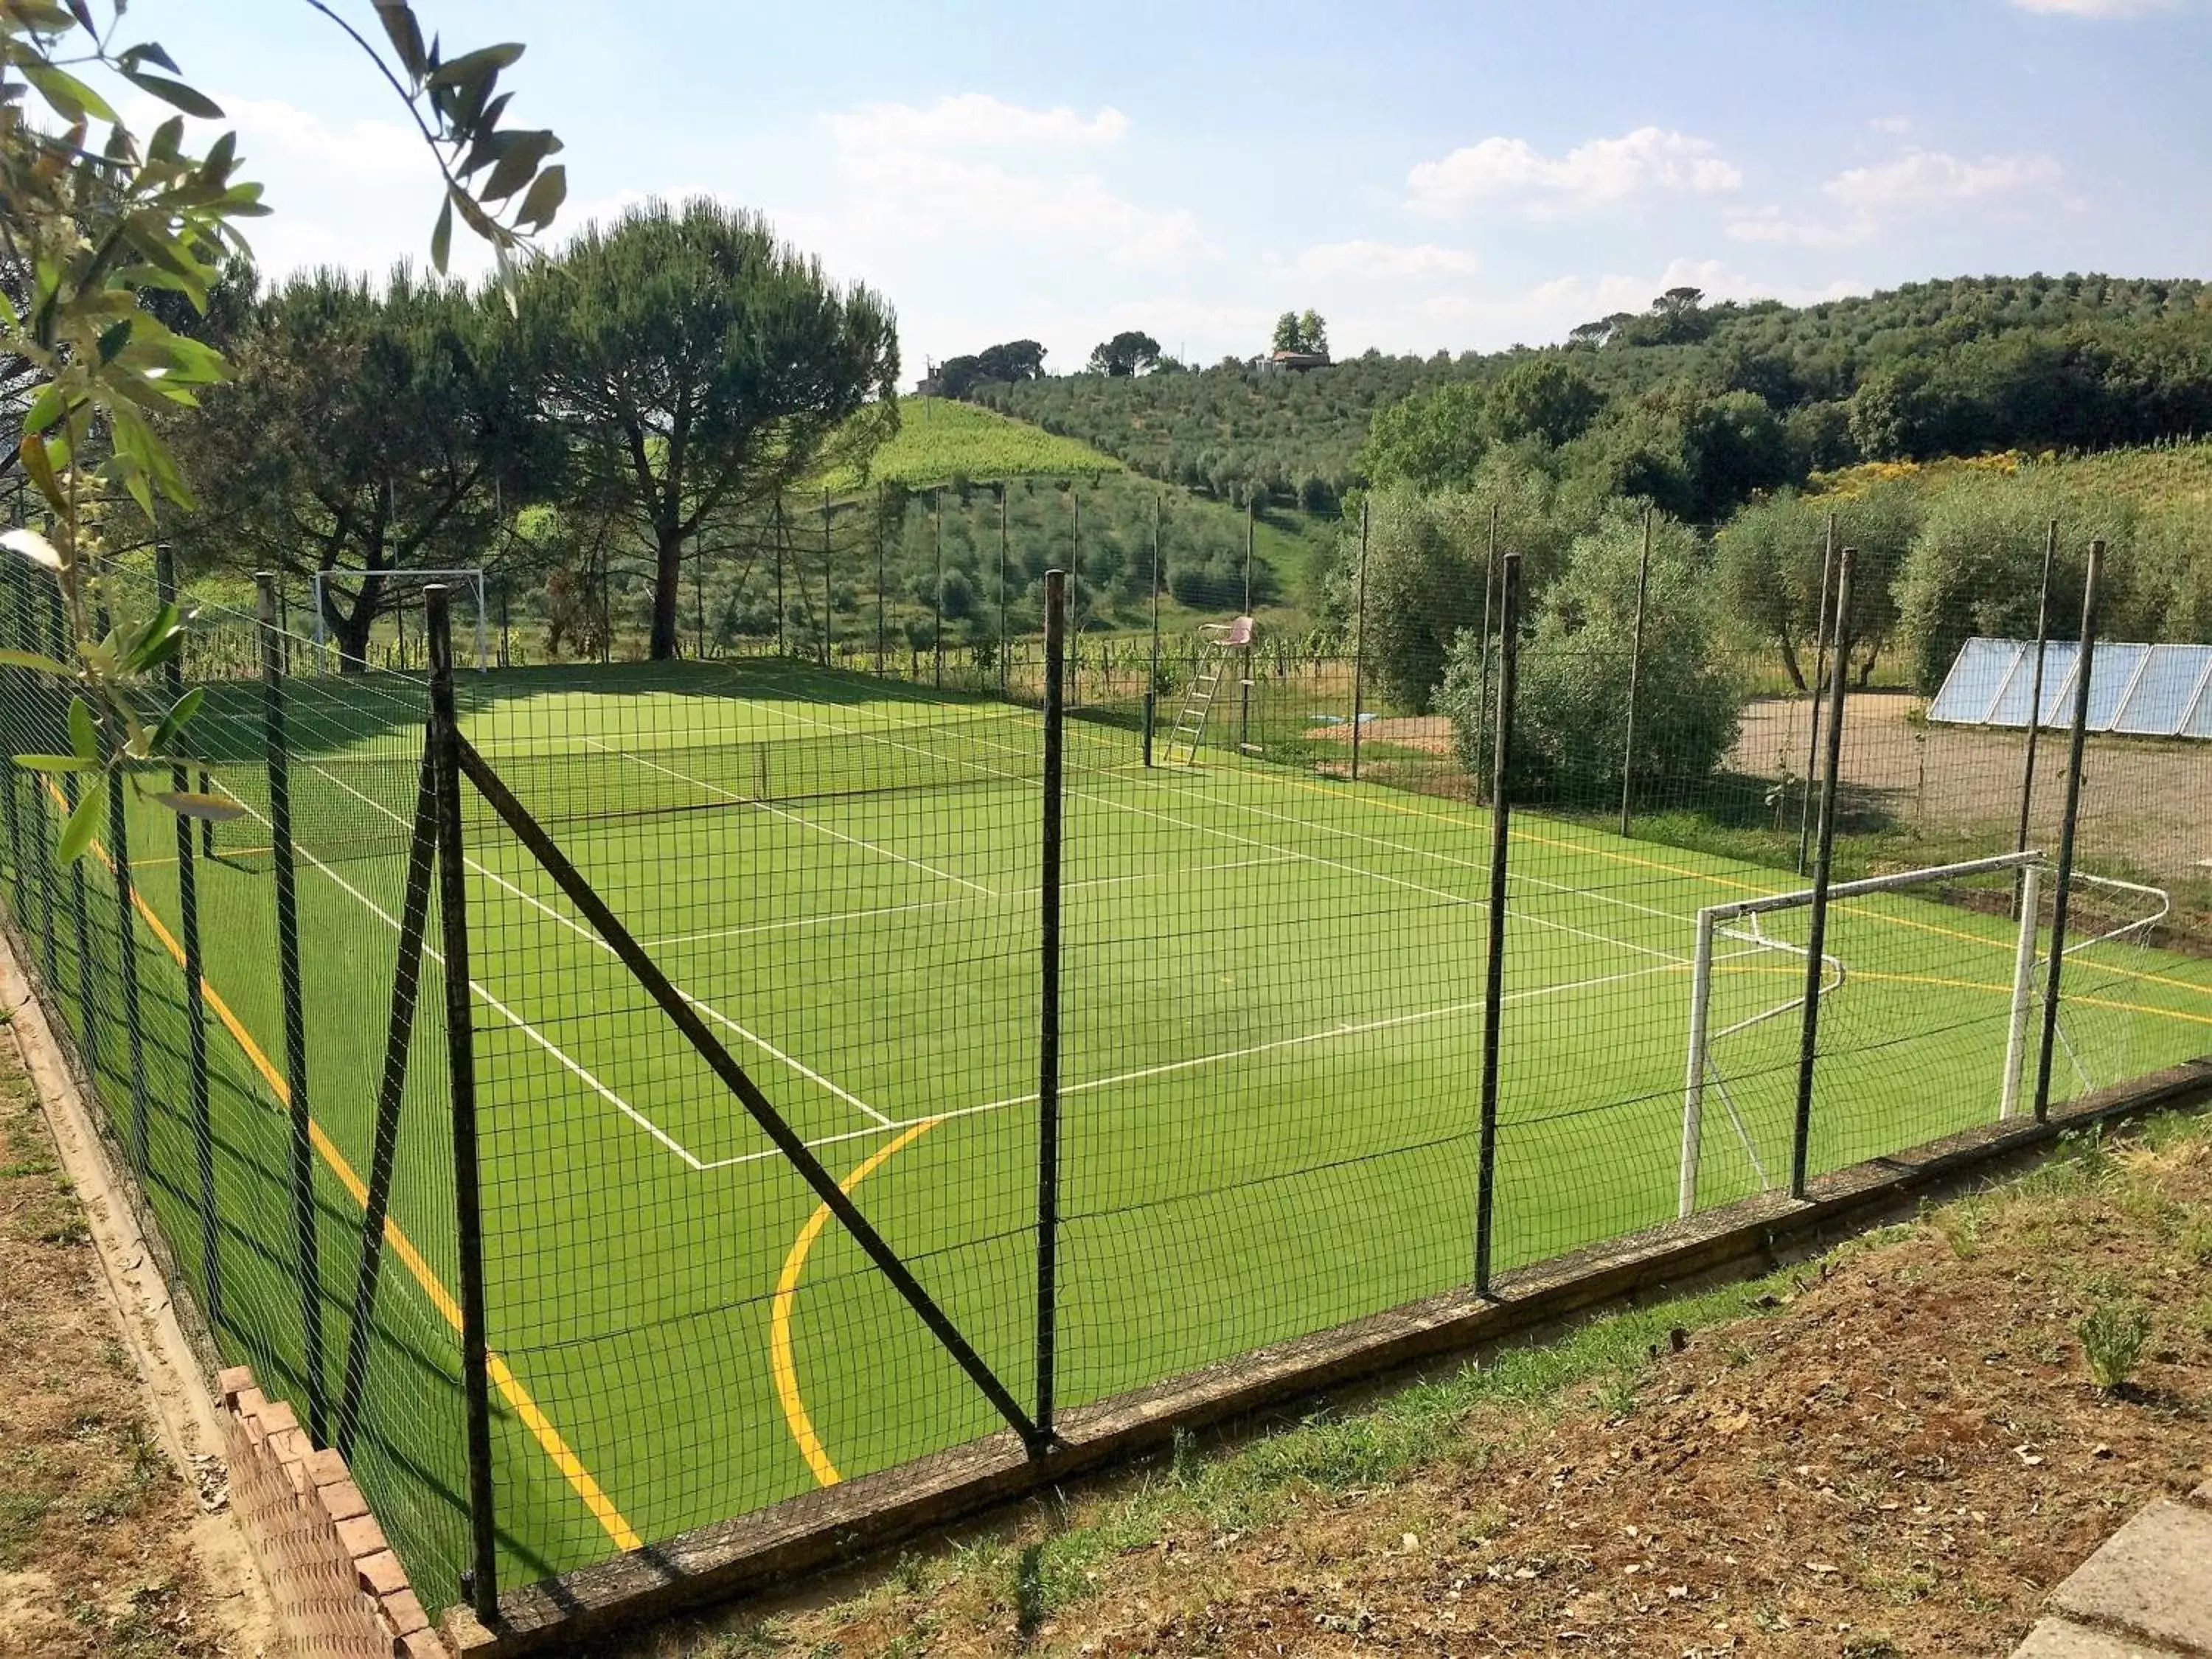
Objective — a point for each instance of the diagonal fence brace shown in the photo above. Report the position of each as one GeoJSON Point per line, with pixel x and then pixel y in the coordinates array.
{"type": "Point", "coordinates": [648, 973]}
{"type": "Point", "coordinates": [406, 989]}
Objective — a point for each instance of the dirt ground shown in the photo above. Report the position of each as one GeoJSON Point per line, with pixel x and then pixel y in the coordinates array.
{"type": "Point", "coordinates": [2146, 801]}
{"type": "Point", "coordinates": [2142, 799]}
{"type": "Point", "coordinates": [97, 1525]}
{"type": "Point", "coordinates": [1901, 1458]}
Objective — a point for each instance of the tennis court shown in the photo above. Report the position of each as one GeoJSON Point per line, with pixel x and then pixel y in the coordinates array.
{"type": "Point", "coordinates": [1271, 1043]}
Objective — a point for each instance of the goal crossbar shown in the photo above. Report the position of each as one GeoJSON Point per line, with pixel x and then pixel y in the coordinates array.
{"type": "Point", "coordinates": [1712, 923]}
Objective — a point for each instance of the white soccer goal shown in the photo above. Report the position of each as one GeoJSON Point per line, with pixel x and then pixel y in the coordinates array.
{"type": "Point", "coordinates": [471, 582]}
{"type": "Point", "coordinates": [1736, 933]}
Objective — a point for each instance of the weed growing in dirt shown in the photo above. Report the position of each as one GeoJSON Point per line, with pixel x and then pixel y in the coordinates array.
{"type": "Point", "coordinates": [2113, 1335]}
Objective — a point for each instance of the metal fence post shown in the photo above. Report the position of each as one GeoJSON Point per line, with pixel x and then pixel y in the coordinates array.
{"type": "Point", "coordinates": [188, 926]}
{"type": "Point", "coordinates": [291, 998]}
{"type": "Point", "coordinates": [27, 634]}
{"type": "Point", "coordinates": [88, 1000]}
{"type": "Point", "coordinates": [1153, 681]}
{"type": "Point", "coordinates": [126, 949]}
{"type": "Point", "coordinates": [936, 590]}
{"type": "Point", "coordinates": [1820, 685]}
{"type": "Point", "coordinates": [1489, 578]}
{"type": "Point", "coordinates": [1801, 1140]}
{"type": "Point", "coordinates": [1048, 1306]}
{"type": "Point", "coordinates": [829, 549]}
{"type": "Point", "coordinates": [1244, 676]}
{"type": "Point", "coordinates": [460, 1058]}
{"type": "Point", "coordinates": [2068, 823]}
{"type": "Point", "coordinates": [2035, 694]}
{"type": "Point", "coordinates": [1006, 644]}
{"type": "Point", "coordinates": [1635, 678]}
{"type": "Point", "coordinates": [883, 506]}
{"type": "Point", "coordinates": [1074, 691]}
{"type": "Point", "coordinates": [1493, 989]}
{"type": "Point", "coordinates": [1359, 639]}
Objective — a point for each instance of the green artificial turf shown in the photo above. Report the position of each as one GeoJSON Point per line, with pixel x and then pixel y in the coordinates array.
{"type": "Point", "coordinates": [1270, 1064]}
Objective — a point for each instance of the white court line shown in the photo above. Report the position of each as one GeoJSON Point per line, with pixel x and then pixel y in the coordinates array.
{"type": "Point", "coordinates": [585, 933]}
{"type": "Point", "coordinates": [568, 1061]}
{"type": "Point", "coordinates": [834, 917]}
{"type": "Point", "coordinates": [1295, 853]}
{"type": "Point", "coordinates": [1357, 1028]}
{"type": "Point", "coordinates": [796, 817]}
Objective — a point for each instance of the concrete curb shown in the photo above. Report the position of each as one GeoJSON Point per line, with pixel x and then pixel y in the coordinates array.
{"type": "Point", "coordinates": [2145, 1593]}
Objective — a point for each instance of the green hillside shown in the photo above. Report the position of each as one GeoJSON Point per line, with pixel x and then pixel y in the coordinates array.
{"type": "Point", "coordinates": [1696, 406]}
{"type": "Point", "coordinates": [940, 441]}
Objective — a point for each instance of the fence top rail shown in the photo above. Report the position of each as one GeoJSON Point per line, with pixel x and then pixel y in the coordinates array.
{"type": "Point", "coordinates": [1803, 895]}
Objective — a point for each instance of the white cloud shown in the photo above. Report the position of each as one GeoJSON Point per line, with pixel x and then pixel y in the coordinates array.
{"type": "Point", "coordinates": [1895, 125]}
{"type": "Point", "coordinates": [1603, 170]}
{"type": "Point", "coordinates": [972, 120]}
{"type": "Point", "coordinates": [2094, 8]}
{"type": "Point", "coordinates": [1927, 177]}
{"type": "Point", "coordinates": [1385, 260]}
{"type": "Point", "coordinates": [1772, 226]}
{"type": "Point", "coordinates": [976, 163]}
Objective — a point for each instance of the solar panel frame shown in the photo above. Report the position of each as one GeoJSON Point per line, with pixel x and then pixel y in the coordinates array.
{"type": "Point", "coordinates": [2136, 689]}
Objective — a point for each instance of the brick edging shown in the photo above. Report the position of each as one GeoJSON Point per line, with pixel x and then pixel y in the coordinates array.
{"type": "Point", "coordinates": [349, 1578]}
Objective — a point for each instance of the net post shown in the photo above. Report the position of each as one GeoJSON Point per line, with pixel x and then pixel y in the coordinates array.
{"type": "Point", "coordinates": [384, 1145]}
{"type": "Point", "coordinates": [1493, 988]}
{"type": "Point", "coordinates": [1359, 638]}
{"type": "Point", "coordinates": [126, 950]}
{"type": "Point", "coordinates": [1693, 1084]}
{"type": "Point", "coordinates": [1048, 1298]}
{"type": "Point", "coordinates": [1152, 683]}
{"type": "Point", "coordinates": [285, 882]}
{"type": "Point", "coordinates": [2068, 823]}
{"type": "Point", "coordinates": [1635, 677]}
{"type": "Point", "coordinates": [1819, 680]}
{"type": "Point", "coordinates": [460, 1058]}
{"type": "Point", "coordinates": [2023, 991]}
{"type": "Point", "coordinates": [1800, 1137]}
{"type": "Point", "coordinates": [188, 928]}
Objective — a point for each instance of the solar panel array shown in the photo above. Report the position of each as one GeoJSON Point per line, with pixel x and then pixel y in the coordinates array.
{"type": "Point", "coordinates": [2141, 691]}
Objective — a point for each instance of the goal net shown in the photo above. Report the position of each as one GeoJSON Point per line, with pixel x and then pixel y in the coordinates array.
{"type": "Point", "coordinates": [401, 630]}
{"type": "Point", "coordinates": [1932, 991]}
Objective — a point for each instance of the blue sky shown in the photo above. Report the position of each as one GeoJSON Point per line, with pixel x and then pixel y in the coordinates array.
{"type": "Point", "coordinates": [1428, 176]}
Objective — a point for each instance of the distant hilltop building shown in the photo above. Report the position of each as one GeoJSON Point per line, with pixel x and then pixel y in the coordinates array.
{"type": "Point", "coordinates": [1280, 361]}
{"type": "Point", "coordinates": [929, 386]}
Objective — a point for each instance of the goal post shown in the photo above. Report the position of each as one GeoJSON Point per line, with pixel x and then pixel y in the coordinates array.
{"type": "Point", "coordinates": [1739, 920]}
{"type": "Point", "coordinates": [473, 577]}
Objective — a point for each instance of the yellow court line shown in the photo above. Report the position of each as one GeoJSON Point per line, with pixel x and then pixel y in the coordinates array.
{"type": "Point", "coordinates": [781, 1366]}
{"type": "Point", "coordinates": [1739, 886]}
{"type": "Point", "coordinates": [541, 1427]}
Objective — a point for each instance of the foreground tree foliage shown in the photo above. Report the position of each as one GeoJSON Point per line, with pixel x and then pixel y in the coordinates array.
{"type": "Point", "coordinates": [695, 365]}
{"type": "Point", "coordinates": [367, 431]}
{"type": "Point", "coordinates": [98, 220]}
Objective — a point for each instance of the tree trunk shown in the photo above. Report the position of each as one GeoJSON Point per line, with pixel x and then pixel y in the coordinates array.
{"type": "Point", "coordinates": [351, 632]}
{"type": "Point", "coordinates": [1789, 662]}
{"type": "Point", "coordinates": [667, 588]}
